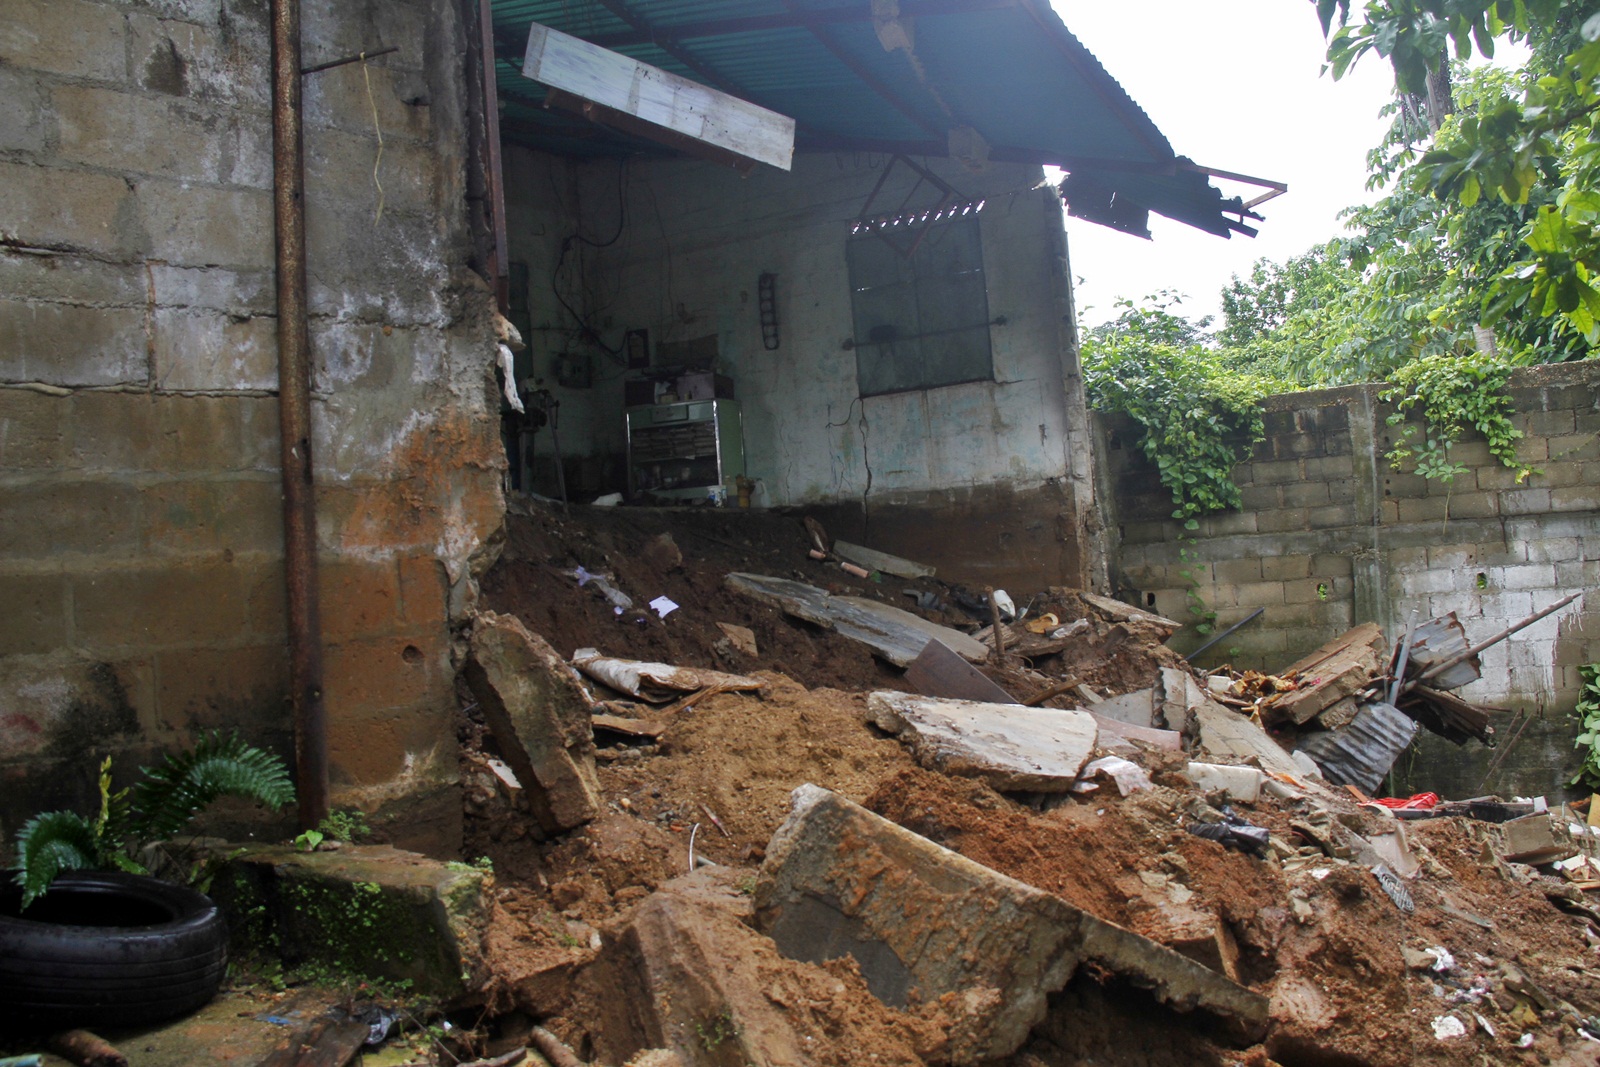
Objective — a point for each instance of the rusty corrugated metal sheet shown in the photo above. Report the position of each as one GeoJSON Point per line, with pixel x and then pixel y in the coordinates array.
{"type": "Point", "coordinates": [1436, 641]}
{"type": "Point", "coordinates": [1361, 753]}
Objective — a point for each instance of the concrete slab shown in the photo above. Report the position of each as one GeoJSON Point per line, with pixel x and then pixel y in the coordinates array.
{"type": "Point", "coordinates": [537, 708]}
{"type": "Point", "coordinates": [1009, 746]}
{"type": "Point", "coordinates": [367, 910]}
{"type": "Point", "coordinates": [923, 922]}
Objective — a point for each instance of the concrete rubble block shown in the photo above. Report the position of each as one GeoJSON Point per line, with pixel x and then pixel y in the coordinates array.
{"type": "Point", "coordinates": [689, 975]}
{"type": "Point", "coordinates": [925, 924]}
{"type": "Point", "coordinates": [537, 708]}
{"type": "Point", "coordinates": [368, 910]}
{"type": "Point", "coordinates": [1009, 746]}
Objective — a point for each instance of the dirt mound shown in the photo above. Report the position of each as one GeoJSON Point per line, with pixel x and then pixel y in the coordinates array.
{"type": "Point", "coordinates": [1484, 970]}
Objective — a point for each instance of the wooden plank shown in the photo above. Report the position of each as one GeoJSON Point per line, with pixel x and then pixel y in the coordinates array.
{"type": "Point", "coordinates": [898, 636]}
{"type": "Point", "coordinates": [939, 672]}
{"type": "Point", "coordinates": [874, 560]}
{"type": "Point", "coordinates": [663, 99]}
{"type": "Point", "coordinates": [617, 724]}
{"type": "Point", "coordinates": [1367, 636]}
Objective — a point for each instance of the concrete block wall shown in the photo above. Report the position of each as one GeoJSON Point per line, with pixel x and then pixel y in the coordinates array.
{"type": "Point", "coordinates": [140, 511]}
{"type": "Point", "coordinates": [1331, 535]}
{"type": "Point", "coordinates": [692, 239]}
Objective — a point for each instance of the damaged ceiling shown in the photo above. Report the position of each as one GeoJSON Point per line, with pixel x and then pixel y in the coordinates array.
{"type": "Point", "coordinates": [977, 80]}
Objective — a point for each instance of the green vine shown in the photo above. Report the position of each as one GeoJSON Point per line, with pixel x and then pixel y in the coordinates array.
{"type": "Point", "coordinates": [1454, 394]}
{"type": "Point", "coordinates": [1587, 713]}
{"type": "Point", "coordinates": [1197, 420]}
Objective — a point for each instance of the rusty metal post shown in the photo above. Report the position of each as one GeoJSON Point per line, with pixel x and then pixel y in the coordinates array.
{"type": "Point", "coordinates": [494, 179]}
{"type": "Point", "coordinates": [294, 420]}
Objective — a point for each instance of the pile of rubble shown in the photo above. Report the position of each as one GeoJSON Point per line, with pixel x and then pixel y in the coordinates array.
{"type": "Point", "coordinates": [1034, 838]}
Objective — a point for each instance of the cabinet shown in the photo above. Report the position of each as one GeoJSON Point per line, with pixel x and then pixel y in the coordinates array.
{"type": "Point", "coordinates": [682, 450]}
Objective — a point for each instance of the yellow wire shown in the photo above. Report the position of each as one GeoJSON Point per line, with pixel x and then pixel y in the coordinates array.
{"type": "Point", "coordinates": [378, 132]}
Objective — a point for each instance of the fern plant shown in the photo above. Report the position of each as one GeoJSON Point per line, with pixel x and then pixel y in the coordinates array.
{"type": "Point", "coordinates": [161, 805]}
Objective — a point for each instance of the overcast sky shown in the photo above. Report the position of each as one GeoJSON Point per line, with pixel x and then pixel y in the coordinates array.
{"type": "Point", "coordinates": [1236, 86]}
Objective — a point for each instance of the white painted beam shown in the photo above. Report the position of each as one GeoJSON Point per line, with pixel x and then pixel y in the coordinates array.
{"type": "Point", "coordinates": [652, 95]}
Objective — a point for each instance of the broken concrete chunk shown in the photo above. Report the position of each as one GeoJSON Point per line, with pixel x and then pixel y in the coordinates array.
{"type": "Point", "coordinates": [1532, 840]}
{"type": "Point", "coordinates": [1135, 709]}
{"type": "Point", "coordinates": [688, 974]}
{"type": "Point", "coordinates": [366, 910]}
{"type": "Point", "coordinates": [1006, 745]}
{"type": "Point", "coordinates": [1117, 611]}
{"type": "Point", "coordinates": [898, 636]}
{"type": "Point", "coordinates": [923, 922]}
{"type": "Point", "coordinates": [536, 706]}
{"type": "Point", "coordinates": [1226, 736]}
{"type": "Point", "coordinates": [1240, 783]}
{"type": "Point", "coordinates": [658, 682]}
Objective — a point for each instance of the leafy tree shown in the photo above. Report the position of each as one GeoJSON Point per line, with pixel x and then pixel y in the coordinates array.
{"type": "Point", "coordinates": [1533, 146]}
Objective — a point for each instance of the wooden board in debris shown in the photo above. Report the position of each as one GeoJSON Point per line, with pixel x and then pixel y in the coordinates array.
{"type": "Point", "coordinates": [1336, 670]}
{"type": "Point", "coordinates": [874, 560]}
{"type": "Point", "coordinates": [1117, 611]}
{"type": "Point", "coordinates": [898, 636]}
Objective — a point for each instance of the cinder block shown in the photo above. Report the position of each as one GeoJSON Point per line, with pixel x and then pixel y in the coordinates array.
{"type": "Point", "coordinates": [35, 615]}
{"type": "Point", "coordinates": [1555, 550]}
{"type": "Point", "coordinates": [210, 351]}
{"type": "Point", "coordinates": [1237, 571]}
{"type": "Point", "coordinates": [197, 433]}
{"type": "Point", "coordinates": [207, 518]}
{"type": "Point", "coordinates": [133, 133]}
{"type": "Point", "coordinates": [1284, 520]}
{"type": "Point", "coordinates": [1328, 565]}
{"type": "Point", "coordinates": [197, 225]}
{"type": "Point", "coordinates": [70, 37]}
{"type": "Point", "coordinates": [1547, 423]}
{"type": "Point", "coordinates": [1503, 602]}
{"type": "Point", "coordinates": [200, 689]}
{"type": "Point", "coordinates": [1260, 497]}
{"type": "Point", "coordinates": [1426, 509]}
{"type": "Point", "coordinates": [25, 120]}
{"type": "Point", "coordinates": [1474, 505]}
{"type": "Point", "coordinates": [1305, 494]}
{"type": "Point", "coordinates": [33, 432]}
{"type": "Point", "coordinates": [1283, 568]}
{"type": "Point", "coordinates": [48, 520]}
{"type": "Point", "coordinates": [1493, 478]}
{"type": "Point", "coordinates": [49, 207]}
{"type": "Point", "coordinates": [115, 432]}
{"type": "Point", "coordinates": [1573, 446]}
{"type": "Point", "coordinates": [159, 607]}
{"type": "Point", "coordinates": [1525, 502]}
{"type": "Point", "coordinates": [1442, 557]}
{"type": "Point", "coordinates": [1526, 576]}
{"type": "Point", "coordinates": [1228, 524]}
{"type": "Point", "coordinates": [360, 598]}
{"type": "Point", "coordinates": [1472, 453]}
{"type": "Point", "coordinates": [1276, 472]}
{"type": "Point", "coordinates": [1402, 486]}
{"type": "Point", "coordinates": [259, 434]}
{"type": "Point", "coordinates": [1326, 468]}
{"type": "Point", "coordinates": [1584, 574]}
{"type": "Point", "coordinates": [71, 346]}
{"type": "Point", "coordinates": [392, 672]}
{"type": "Point", "coordinates": [1575, 498]}
{"type": "Point", "coordinates": [423, 586]}
{"type": "Point", "coordinates": [1560, 474]}
{"type": "Point", "coordinates": [1332, 517]}
{"type": "Point", "coordinates": [1259, 594]}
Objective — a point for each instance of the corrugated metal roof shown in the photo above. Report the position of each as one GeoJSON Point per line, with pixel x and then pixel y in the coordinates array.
{"type": "Point", "coordinates": [1361, 753]}
{"type": "Point", "coordinates": [1007, 68]}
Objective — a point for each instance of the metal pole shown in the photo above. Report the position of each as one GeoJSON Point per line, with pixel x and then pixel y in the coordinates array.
{"type": "Point", "coordinates": [294, 419]}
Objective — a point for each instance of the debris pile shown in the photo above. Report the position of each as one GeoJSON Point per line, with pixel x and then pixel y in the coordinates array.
{"type": "Point", "coordinates": [833, 823]}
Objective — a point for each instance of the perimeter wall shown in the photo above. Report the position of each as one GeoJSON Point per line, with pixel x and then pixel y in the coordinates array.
{"type": "Point", "coordinates": [1330, 535]}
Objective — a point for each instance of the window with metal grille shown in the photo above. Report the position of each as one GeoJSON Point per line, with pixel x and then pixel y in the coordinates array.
{"type": "Point", "coordinates": [919, 302]}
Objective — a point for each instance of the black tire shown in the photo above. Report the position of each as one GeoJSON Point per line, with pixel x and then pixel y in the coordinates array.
{"type": "Point", "coordinates": [107, 949]}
